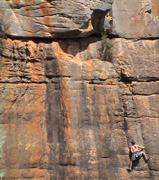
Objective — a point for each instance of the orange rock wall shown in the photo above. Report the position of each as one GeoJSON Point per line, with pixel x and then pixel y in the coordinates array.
{"type": "Point", "coordinates": [48, 108]}
{"type": "Point", "coordinates": [70, 107]}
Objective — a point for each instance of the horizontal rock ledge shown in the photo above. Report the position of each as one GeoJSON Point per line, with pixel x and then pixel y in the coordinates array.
{"type": "Point", "coordinates": [53, 19]}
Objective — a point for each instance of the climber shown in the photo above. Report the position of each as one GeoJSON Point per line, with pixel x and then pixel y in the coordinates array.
{"type": "Point", "coordinates": [136, 152]}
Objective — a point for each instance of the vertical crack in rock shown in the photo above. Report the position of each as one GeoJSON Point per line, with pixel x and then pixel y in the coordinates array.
{"type": "Point", "coordinates": [59, 122]}
{"type": "Point", "coordinates": [139, 95]}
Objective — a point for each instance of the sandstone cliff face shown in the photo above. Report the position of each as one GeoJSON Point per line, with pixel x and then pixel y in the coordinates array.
{"type": "Point", "coordinates": [135, 19]}
{"type": "Point", "coordinates": [70, 105]}
{"type": "Point", "coordinates": [44, 18]}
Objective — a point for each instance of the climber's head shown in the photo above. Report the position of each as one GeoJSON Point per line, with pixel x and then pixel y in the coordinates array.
{"type": "Point", "coordinates": [132, 142]}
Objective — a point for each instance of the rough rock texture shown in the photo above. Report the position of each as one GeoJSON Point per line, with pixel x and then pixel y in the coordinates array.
{"type": "Point", "coordinates": [45, 18]}
{"type": "Point", "coordinates": [135, 19]}
{"type": "Point", "coordinates": [70, 107]}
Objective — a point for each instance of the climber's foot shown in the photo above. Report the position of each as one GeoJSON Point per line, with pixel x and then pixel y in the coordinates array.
{"type": "Point", "coordinates": [146, 160]}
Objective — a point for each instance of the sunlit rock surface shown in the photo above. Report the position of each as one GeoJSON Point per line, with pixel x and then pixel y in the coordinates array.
{"type": "Point", "coordinates": [54, 19]}
{"type": "Point", "coordinates": [70, 107]}
{"type": "Point", "coordinates": [135, 19]}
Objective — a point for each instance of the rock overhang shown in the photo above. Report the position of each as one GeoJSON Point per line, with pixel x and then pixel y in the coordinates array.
{"type": "Point", "coordinates": [53, 19]}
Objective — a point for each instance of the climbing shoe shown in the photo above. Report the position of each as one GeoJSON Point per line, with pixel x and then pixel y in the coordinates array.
{"type": "Point", "coordinates": [146, 160]}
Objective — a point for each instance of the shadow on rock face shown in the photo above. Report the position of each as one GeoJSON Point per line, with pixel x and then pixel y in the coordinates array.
{"type": "Point", "coordinates": [136, 162]}
{"type": "Point", "coordinates": [73, 47]}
